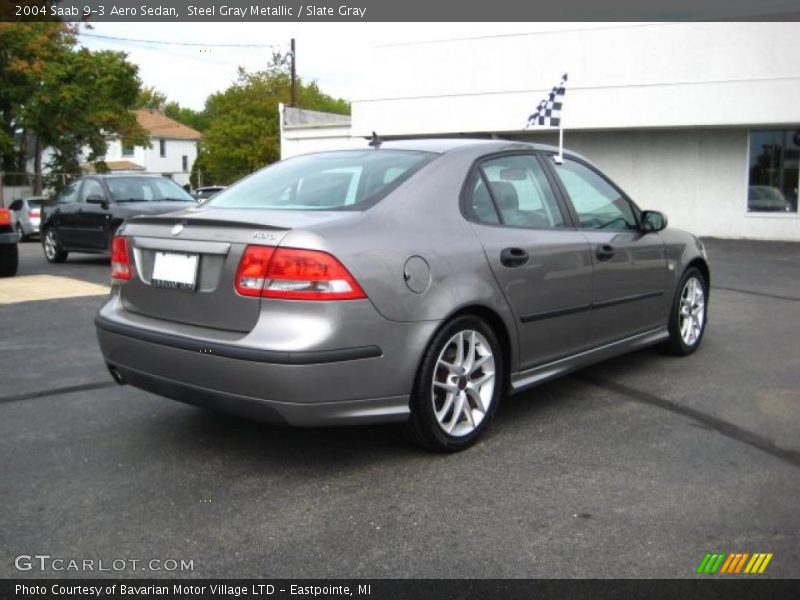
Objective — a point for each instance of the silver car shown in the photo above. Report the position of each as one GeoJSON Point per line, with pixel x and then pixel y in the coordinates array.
{"type": "Point", "coordinates": [415, 282]}
{"type": "Point", "coordinates": [27, 215]}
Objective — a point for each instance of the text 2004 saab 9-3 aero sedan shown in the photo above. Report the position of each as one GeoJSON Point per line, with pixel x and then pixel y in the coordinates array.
{"type": "Point", "coordinates": [414, 282]}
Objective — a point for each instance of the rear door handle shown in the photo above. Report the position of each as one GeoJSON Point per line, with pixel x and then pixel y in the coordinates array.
{"type": "Point", "coordinates": [513, 257]}
{"type": "Point", "coordinates": [605, 252]}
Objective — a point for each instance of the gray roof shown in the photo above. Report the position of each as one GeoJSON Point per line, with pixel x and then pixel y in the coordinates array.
{"type": "Point", "coordinates": [442, 145]}
{"type": "Point", "coordinates": [300, 117]}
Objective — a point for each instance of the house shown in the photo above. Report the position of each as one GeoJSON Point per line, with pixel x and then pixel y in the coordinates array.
{"type": "Point", "coordinates": [172, 151]}
{"type": "Point", "coordinates": [699, 120]}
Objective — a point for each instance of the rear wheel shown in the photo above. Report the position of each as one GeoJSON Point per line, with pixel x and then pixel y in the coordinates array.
{"type": "Point", "coordinates": [20, 232]}
{"type": "Point", "coordinates": [687, 320]}
{"type": "Point", "coordinates": [458, 387]}
{"type": "Point", "coordinates": [52, 248]}
{"type": "Point", "coordinates": [9, 260]}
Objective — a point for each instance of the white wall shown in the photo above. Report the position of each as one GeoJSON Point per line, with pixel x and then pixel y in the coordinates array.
{"type": "Point", "coordinates": [698, 177]}
{"type": "Point", "coordinates": [624, 76]}
{"type": "Point", "coordinates": [302, 140]}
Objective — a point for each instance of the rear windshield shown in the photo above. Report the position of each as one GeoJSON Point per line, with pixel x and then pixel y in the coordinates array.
{"type": "Point", "coordinates": [346, 180]}
{"type": "Point", "coordinates": [146, 189]}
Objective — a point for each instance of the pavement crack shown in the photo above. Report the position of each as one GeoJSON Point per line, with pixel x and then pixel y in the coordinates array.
{"type": "Point", "coordinates": [722, 427]}
{"type": "Point", "coordinates": [83, 387]}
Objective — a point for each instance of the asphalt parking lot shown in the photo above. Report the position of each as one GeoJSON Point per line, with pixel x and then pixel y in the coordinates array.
{"type": "Point", "coordinates": [633, 468]}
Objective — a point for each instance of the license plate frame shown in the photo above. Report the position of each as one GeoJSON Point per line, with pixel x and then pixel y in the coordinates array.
{"type": "Point", "coordinates": [175, 270]}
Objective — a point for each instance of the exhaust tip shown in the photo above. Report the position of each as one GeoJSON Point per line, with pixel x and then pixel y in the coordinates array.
{"type": "Point", "coordinates": [116, 375]}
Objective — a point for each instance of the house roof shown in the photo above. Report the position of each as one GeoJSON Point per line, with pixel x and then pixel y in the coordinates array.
{"type": "Point", "coordinates": [157, 124]}
{"type": "Point", "coordinates": [115, 165]}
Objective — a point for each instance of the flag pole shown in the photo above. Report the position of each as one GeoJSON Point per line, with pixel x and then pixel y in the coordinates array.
{"type": "Point", "coordinates": [560, 157]}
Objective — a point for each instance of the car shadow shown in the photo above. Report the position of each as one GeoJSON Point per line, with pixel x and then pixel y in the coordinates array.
{"type": "Point", "coordinates": [245, 442]}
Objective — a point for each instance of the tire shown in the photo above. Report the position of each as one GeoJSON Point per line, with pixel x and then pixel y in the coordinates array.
{"type": "Point", "coordinates": [448, 380]}
{"type": "Point", "coordinates": [690, 302]}
{"type": "Point", "coordinates": [52, 247]}
{"type": "Point", "coordinates": [20, 232]}
{"type": "Point", "coordinates": [9, 260]}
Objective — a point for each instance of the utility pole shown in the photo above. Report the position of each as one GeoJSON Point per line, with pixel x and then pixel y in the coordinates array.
{"type": "Point", "coordinates": [294, 77]}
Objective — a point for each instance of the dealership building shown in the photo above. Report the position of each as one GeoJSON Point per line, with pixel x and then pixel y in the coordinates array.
{"type": "Point", "coordinates": [698, 120]}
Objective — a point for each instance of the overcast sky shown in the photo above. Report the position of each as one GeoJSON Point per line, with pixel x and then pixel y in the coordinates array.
{"type": "Point", "coordinates": [333, 54]}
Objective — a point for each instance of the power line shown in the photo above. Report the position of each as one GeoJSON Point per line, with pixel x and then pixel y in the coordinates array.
{"type": "Point", "coordinates": [205, 45]}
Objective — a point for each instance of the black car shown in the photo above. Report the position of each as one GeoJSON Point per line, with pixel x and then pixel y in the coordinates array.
{"type": "Point", "coordinates": [9, 256]}
{"type": "Point", "coordinates": [88, 211]}
{"type": "Point", "coordinates": [207, 192]}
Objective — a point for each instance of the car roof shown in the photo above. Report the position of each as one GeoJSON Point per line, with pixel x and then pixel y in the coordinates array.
{"type": "Point", "coordinates": [446, 145]}
{"type": "Point", "coordinates": [442, 145]}
{"type": "Point", "coordinates": [118, 175]}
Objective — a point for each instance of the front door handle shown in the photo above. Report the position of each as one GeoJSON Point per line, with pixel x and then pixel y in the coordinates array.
{"type": "Point", "coordinates": [513, 257]}
{"type": "Point", "coordinates": [605, 252]}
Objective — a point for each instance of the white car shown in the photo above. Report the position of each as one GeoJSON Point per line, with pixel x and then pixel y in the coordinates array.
{"type": "Point", "coordinates": [27, 214]}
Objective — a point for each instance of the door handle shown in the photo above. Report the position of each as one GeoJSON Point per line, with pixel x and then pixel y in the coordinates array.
{"type": "Point", "coordinates": [605, 252]}
{"type": "Point", "coordinates": [513, 257]}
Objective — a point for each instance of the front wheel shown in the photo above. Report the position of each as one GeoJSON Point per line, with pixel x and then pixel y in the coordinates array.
{"type": "Point", "coordinates": [52, 248]}
{"type": "Point", "coordinates": [687, 320]}
{"type": "Point", "coordinates": [458, 386]}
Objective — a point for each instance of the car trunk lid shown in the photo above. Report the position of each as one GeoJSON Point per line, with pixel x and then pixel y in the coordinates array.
{"type": "Point", "coordinates": [217, 238]}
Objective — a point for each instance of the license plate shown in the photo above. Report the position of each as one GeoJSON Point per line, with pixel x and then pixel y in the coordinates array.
{"type": "Point", "coordinates": [175, 270]}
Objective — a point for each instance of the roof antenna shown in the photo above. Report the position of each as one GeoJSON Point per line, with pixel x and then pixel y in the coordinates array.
{"type": "Point", "coordinates": [375, 142]}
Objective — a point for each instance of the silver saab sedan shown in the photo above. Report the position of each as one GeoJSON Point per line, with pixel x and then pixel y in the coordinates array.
{"type": "Point", "coordinates": [415, 282]}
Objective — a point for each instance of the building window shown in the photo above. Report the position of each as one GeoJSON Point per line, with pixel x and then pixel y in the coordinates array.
{"type": "Point", "coordinates": [127, 149]}
{"type": "Point", "coordinates": [162, 148]}
{"type": "Point", "coordinates": [774, 158]}
{"type": "Point", "coordinates": [185, 163]}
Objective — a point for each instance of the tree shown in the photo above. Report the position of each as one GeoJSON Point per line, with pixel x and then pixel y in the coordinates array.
{"type": "Point", "coordinates": [86, 98]}
{"type": "Point", "coordinates": [243, 132]}
{"type": "Point", "coordinates": [26, 49]}
{"type": "Point", "coordinates": [71, 100]}
{"type": "Point", "coordinates": [150, 97]}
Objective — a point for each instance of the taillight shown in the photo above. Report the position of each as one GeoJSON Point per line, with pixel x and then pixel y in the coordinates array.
{"type": "Point", "coordinates": [120, 264]}
{"type": "Point", "coordinates": [34, 214]}
{"type": "Point", "coordinates": [5, 216]}
{"type": "Point", "coordinates": [252, 271]}
{"type": "Point", "coordinates": [294, 274]}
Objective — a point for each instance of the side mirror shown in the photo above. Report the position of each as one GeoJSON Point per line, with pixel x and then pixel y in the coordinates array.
{"type": "Point", "coordinates": [653, 221]}
{"type": "Point", "coordinates": [97, 200]}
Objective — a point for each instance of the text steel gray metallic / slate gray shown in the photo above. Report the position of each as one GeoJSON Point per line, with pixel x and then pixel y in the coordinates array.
{"type": "Point", "coordinates": [408, 10]}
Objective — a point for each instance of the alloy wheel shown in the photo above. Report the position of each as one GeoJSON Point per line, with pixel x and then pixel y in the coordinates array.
{"type": "Point", "coordinates": [692, 311]}
{"type": "Point", "coordinates": [463, 383]}
{"type": "Point", "coordinates": [50, 244]}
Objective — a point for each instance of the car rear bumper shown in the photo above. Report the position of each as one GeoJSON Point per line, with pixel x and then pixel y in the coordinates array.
{"type": "Point", "coordinates": [8, 238]}
{"type": "Point", "coordinates": [350, 384]}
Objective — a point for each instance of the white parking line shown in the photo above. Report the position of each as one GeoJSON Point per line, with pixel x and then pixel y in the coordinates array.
{"type": "Point", "coordinates": [30, 288]}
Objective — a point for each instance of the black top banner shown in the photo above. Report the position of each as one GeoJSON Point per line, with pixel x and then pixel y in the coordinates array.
{"type": "Point", "coordinates": [405, 10]}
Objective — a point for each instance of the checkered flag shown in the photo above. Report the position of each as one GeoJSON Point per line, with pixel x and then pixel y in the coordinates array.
{"type": "Point", "coordinates": [548, 112]}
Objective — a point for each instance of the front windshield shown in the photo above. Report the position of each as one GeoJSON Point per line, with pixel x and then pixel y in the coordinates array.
{"type": "Point", "coordinates": [146, 189]}
{"type": "Point", "coordinates": [344, 180]}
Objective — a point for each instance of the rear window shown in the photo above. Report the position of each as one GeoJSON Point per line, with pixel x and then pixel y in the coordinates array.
{"type": "Point", "coordinates": [346, 180]}
{"type": "Point", "coordinates": [146, 189]}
